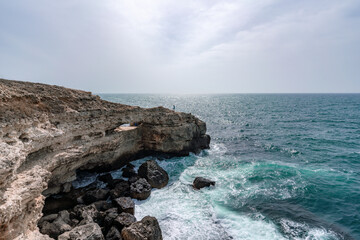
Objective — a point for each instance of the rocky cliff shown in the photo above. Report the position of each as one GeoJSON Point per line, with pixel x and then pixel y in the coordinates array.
{"type": "Point", "coordinates": [49, 132]}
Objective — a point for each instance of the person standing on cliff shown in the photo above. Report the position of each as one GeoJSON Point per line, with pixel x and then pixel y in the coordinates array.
{"type": "Point", "coordinates": [174, 107]}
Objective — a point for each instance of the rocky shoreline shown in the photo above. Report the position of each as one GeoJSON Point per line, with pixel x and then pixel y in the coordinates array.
{"type": "Point", "coordinates": [104, 209]}
{"type": "Point", "coordinates": [49, 133]}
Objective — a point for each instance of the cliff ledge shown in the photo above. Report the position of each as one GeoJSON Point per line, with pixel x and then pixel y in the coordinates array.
{"type": "Point", "coordinates": [47, 133]}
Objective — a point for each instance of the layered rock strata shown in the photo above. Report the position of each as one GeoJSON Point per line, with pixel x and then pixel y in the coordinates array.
{"type": "Point", "coordinates": [47, 133]}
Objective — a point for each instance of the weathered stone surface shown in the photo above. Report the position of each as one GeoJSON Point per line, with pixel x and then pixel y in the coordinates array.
{"type": "Point", "coordinates": [148, 228]}
{"type": "Point", "coordinates": [110, 216]}
{"type": "Point", "coordinates": [154, 174]}
{"type": "Point", "coordinates": [47, 133]}
{"type": "Point", "coordinates": [140, 189]}
{"type": "Point", "coordinates": [122, 189]}
{"type": "Point", "coordinates": [90, 231]}
{"type": "Point", "coordinates": [113, 234]}
{"type": "Point", "coordinates": [201, 182]}
{"type": "Point", "coordinates": [125, 204]}
{"type": "Point", "coordinates": [95, 195]}
{"type": "Point", "coordinates": [87, 214]}
{"type": "Point", "coordinates": [103, 205]}
{"type": "Point", "coordinates": [124, 220]}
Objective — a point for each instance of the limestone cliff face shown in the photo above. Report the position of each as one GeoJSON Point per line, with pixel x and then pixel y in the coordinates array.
{"type": "Point", "coordinates": [49, 132]}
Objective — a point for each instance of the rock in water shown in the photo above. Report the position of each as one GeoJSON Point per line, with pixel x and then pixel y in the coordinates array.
{"type": "Point", "coordinates": [140, 189]}
{"type": "Point", "coordinates": [201, 182]}
{"type": "Point", "coordinates": [90, 231]}
{"type": "Point", "coordinates": [125, 204]}
{"type": "Point", "coordinates": [154, 174]}
{"type": "Point", "coordinates": [148, 228]}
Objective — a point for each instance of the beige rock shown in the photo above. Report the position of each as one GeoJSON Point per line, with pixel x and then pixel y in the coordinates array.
{"type": "Point", "coordinates": [48, 132]}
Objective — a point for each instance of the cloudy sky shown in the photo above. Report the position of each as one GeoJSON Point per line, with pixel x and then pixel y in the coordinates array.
{"type": "Point", "coordinates": [187, 46]}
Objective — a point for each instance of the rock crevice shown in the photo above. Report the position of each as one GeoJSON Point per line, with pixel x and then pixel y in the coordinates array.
{"type": "Point", "coordinates": [47, 133]}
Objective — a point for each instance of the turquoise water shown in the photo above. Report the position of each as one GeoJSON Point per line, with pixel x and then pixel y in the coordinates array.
{"type": "Point", "coordinates": [285, 166]}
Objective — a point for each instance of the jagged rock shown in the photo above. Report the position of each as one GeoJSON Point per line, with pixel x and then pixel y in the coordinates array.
{"type": "Point", "coordinates": [124, 220]}
{"type": "Point", "coordinates": [106, 178]}
{"type": "Point", "coordinates": [128, 172]}
{"type": "Point", "coordinates": [90, 231]}
{"type": "Point", "coordinates": [201, 182]}
{"type": "Point", "coordinates": [50, 132]}
{"type": "Point", "coordinates": [95, 195]}
{"type": "Point", "coordinates": [103, 205]}
{"type": "Point", "coordinates": [110, 216]}
{"type": "Point", "coordinates": [133, 179]}
{"type": "Point", "coordinates": [60, 225]}
{"type": "Point", "coordinates": [148, 228]}
{"type": "Point", "coordinates": [154, 174]}
{"type": "Point", "coordinates": [113, 234]}
{"type": "Point", "coordinates": [48, 218]}
{"type": "Point", "coordinates": [87, 214]}
{"type": "Point", "coordinates": [122, 189]}
{"type": "Point", "coordinates": [125, 204]}
{"type": "Point", "coordinates": [140, 189]}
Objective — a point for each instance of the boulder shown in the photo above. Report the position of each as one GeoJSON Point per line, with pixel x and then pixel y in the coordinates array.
{"type": "Point", "coordinates": [201, 182]}
{"type": "Point", "coordinates": [95, 195]}
{"type": "Point", "coordinates": [87, 214]}
{"type": "Point", "coordinates": [103, 205]}
{"type": "Point", "coordinates": [125, 204]}
{"type": "Point", "coordinates": [148, 228]}
{"type": "Point", "coordinates": [140, 189]}
{"type": "Point", "coordinates": [48, 218]}
{"type": "Point", "coordinates": [110, 216]}
{"type": "Point", "coordinates": [129, 171]}
{"type": "Point", "coordinates": [106, 178]}
{"type": "Point", "coordinates": [154, 174]}
{"type": "Point", "coordinates": [60, 225]}
{"type": "Point", "coordinates": [121, 189]}
{"type": "Point", "coordinates": [124, 220]}
{"type": "Point", "coordinates": [113, 234]}
{"type": "Point", "coordinates": [90, 231]}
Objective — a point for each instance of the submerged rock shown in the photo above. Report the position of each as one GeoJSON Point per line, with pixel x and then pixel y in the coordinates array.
{"type": "Point", "coordinates": [201, 182]}
{"type": "Point", "coordinates": [140, 189]}
{"type": "Point", "coordinates": [148, 228]}
{"type": "Point", "coordinates": [154, 174]}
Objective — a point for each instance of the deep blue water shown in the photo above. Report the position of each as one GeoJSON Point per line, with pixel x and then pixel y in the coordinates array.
{"type": "Point", "coordinates": [286, 166]}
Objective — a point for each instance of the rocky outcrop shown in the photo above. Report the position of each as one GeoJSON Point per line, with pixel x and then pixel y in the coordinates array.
{"type": "Point", "coordinates": [148, 228]}
{"type": "Point", "coordinates": [201, 182]}
{"type": "Point", "coordinates": [154, 174]}
{"type": "Point", "coordinates": [47, 133]}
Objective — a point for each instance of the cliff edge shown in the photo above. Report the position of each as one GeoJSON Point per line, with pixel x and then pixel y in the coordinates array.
{"type": "Point", "coordinates": [49, 132]}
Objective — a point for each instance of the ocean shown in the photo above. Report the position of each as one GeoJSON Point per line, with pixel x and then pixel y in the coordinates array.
{"type": "Point", "coordinates": [286, 166]}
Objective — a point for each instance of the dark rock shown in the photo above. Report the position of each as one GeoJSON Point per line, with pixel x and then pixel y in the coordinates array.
{"type": "Point", "coordinates": [128, 172]}
{"type": "Point", "coordinates": [147, 228]}
{"type": "Point", "coordinates": [140, 189]}
{"type": "Point", "coordinates": [54, 204]}
{"type": "Point", "coordinates": [110, 216]}
{"type": "Point", "coordinates": [87, 214]}
{"type": "Point", "coordinates": [125, 204]}
{"type": "Point", "coordinates": [48, 218]}
{"type": "Point", "coordinates": [124, 220]}
{"type": "Point", "coordinates": [133, 179]}
{"type": "Point", "coordinates": [95, 195]}
{"type": "Point", "coordinates": [90, 231]}
{"type": "Point", "coordinates": [201, 182]}
{"type": "Point", "coordinates": [154, 174]}
{"type": "Point", "coordinates": [113, 234]}
{"type": "Point", "coordinates": [106, 178]}
{"type": "Point", "coordinates": [103, 205]}
{"type": "Point", "coordinates": [60, 225]}
{"type": "Point", "coordinates": [122, 189]}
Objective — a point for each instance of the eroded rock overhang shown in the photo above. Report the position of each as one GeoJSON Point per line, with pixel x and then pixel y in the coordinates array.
{"type": "Point", "coordinates": [49, 132]}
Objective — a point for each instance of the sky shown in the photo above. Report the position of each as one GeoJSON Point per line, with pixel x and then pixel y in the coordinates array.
{"type": "Point", "coordinates": [187, 46]}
